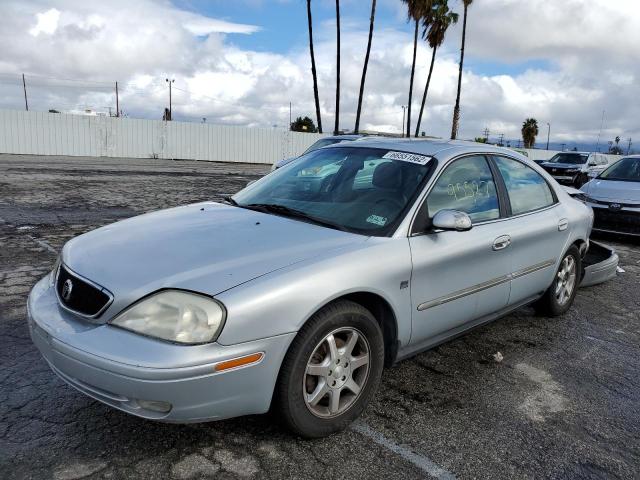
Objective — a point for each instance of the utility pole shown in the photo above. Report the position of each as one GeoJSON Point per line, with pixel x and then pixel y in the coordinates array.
{"type": "Point", "coordinates": [600, 132]}
{"type": "Point", "coordinates": [486, 134]}
{"type": "Point", "coordinates": [500, 143]}
{"type": "Point", "coordinates": [24, 87]}
{"type": "Point", "coordinates": [117, 102]}
{"type": "Point", "coordinates": [629, 147]}
{"type": "Point", "coordinates": [170, 82]}
{"type": "Point", "coordinates": [290, 116]}
{"type": "Point", "coordinates": [404, 112]}
{"type": "Point", "coordinates": [548, 133]}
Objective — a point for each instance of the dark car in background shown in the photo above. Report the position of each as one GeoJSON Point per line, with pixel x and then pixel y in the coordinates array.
{"type": "Point", "coordinates": [573, 168]}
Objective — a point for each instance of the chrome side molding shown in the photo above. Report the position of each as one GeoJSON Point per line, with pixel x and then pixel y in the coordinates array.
{"type": "Point", "coordinates": [485, 285]}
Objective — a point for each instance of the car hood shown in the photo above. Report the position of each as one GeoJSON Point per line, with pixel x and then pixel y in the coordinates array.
{"type": "Point", "coordinates": [561, 165]}
{"type": "Point", "coordinates": [206, 247]}
{"type": "Point", "coordinates": [612, 190]}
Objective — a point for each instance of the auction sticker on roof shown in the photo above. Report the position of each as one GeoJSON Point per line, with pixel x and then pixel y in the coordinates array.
{"type": "Point", "coordinates": [407, 157]}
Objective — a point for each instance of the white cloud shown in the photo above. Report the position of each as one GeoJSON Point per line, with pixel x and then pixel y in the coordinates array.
{"type": "Point", "coordinates": [47, 22]}
{"type": "Point", "coordinates": [581, 56]}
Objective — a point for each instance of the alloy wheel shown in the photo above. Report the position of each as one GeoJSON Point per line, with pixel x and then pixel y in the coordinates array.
{"type": "Point", "coordinates": [336, 372]}
{"type": "Point", "coordinates": [566, 280]}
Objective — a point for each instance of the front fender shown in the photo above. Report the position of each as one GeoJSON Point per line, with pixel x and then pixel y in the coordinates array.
{"type": "Point", "coordinates": [282, 301]}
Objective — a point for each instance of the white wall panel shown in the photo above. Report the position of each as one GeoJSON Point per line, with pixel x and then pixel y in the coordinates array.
{"type": "Point", "coordinates": [43, 133]}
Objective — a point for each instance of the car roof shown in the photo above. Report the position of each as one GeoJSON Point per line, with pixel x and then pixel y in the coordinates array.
{"type": "Point", "coordinates": [430, 147]}
{"type": "Point", "coordinates": [342, 137]}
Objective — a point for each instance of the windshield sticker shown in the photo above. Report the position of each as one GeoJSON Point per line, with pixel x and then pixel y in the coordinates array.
{"type": "Point", "coordinates": [407, 157]}
{"type": "Point", "coordinates": [377, 220]}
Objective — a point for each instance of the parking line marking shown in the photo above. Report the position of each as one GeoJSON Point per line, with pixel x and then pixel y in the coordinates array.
{"type": "Point", "coordinates": [420, 461]}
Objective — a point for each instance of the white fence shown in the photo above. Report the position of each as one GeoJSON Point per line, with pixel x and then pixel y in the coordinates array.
{"type": "Point", "coordinates": [40, 133]}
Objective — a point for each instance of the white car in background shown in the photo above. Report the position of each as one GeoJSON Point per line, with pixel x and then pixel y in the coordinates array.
{"type": "Point", "coordinates": [614, 196]}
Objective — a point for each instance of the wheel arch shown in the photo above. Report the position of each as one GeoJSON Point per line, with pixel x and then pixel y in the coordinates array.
{"type": "Point", "coordinates": [383, 312]}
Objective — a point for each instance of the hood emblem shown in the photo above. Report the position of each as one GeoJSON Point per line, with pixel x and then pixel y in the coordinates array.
{"type": "Point", "coordinates": [615, 206]}
{"type": "Point", "coordinates": [66, 289]}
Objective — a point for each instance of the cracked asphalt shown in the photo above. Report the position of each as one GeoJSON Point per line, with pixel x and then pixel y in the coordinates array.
{"type": "Point", "coordinates": [563, 403]}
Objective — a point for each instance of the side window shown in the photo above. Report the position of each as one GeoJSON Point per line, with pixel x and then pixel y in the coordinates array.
{"type": "Point", "coordinates": [466, 185]}
{"type": "Point", "coordinates": [527, 189]}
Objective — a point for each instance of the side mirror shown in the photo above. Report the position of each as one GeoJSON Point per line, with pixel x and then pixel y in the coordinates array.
{"type": "Point", "coordinates": [452, 220]}
{"type": "Point", "coordinates": [592, 163]}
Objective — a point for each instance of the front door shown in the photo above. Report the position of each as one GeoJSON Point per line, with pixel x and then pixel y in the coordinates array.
{"type": "Point", "coordinates": [460, 276]}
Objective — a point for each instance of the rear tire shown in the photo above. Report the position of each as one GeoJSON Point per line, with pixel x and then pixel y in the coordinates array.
{"type": "Point", "coordinates": [331, 370]}
{"type": "Point", "coordinates": [560, 295]}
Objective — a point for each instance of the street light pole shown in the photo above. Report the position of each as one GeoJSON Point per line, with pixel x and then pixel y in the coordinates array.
{"type": "Point", "coordinates": [548, 134]}
{"type": "Point", "coordinates": [404, 111]}
{"type": "Point", "coordinates": [170, 82]}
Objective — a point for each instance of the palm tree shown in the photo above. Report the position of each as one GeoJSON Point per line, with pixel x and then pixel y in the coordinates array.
{"type": "Point", "coordinates": [456, 110]}
{"type": "Point", "coordinates": [336, 128]}
{"type": "Point", "coordinates": [366, 63]}
{"type": "Point", "coordinates": [416, 10]}
{"type": "Point", "coordinates": [529, 132]}
{"type": "Point", "coordinates": [437, 22]}
{"type": "Point", "coordinates": [313, 67]}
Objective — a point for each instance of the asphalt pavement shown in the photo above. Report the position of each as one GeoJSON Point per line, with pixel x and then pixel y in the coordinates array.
{"type": "Point", "coordinates": [564, 402]}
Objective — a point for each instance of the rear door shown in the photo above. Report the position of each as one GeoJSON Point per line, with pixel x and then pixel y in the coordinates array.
{"type": "Point", "coordinates": [537, 228]}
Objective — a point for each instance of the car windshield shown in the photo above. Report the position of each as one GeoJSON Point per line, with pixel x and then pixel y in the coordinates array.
{"type": "Point", "coordinates": [572, 158]}
{"type": "Point", "coordinates": [361, 190]}
{"type": "Point", "coordinates": [323, 142]}
{"type": "Point", "coordinates": [626, 170]}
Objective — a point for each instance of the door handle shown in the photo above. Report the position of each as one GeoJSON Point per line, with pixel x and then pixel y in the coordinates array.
{"type": "Point", "coordinates": [563, 224]}
{"type": "Point", "coordinates": [501, 242]}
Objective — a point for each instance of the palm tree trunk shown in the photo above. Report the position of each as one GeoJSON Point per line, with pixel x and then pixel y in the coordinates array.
{"type": "Point", "coordinates": [456, 110]}
{"type": "Point", "coordinates": [313, 67]}
{"type": "Point", "coordinates": [426, 90]}
{"type": "Point", "coordinates": [336, 128]}
{"type": "Point", "coordinates": [413, 70]}
{"type": "Point", "coordinates": [366, 63]}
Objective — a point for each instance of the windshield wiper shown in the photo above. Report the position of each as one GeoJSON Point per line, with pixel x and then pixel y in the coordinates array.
{"type": "Point", "coordinates": [229, 199]}
{"type": "Point", "coordinates": [291, 213]}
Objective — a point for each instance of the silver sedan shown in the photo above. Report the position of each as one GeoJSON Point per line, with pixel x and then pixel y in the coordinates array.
{"type": "Point", "coordinates": [614, 196]}
{"type": "Point", "coordinates": [297, 292]}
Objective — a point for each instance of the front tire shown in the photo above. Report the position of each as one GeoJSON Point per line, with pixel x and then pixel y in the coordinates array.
{"type": "Point", "coordinates": [581, 180]}
{"type": "Point", "coordinates": [331, 370]}
{"type": "Point", "coordinates": [560, 295]}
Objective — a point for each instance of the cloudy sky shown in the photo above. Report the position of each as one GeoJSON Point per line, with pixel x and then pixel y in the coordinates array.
{"type": "Point", "coordinates": [242, 61]}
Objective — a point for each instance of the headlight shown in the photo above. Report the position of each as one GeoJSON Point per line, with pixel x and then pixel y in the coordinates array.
{"type": "Point", "coordinates": [175, 315]}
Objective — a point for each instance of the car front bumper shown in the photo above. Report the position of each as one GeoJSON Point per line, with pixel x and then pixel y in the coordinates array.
{"type": "Point", "coordinates": [567, 179]}
{"type": "Point", "coordinates": [623, 221]}
{"type": "Point", "coordinates": [137, 374]}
